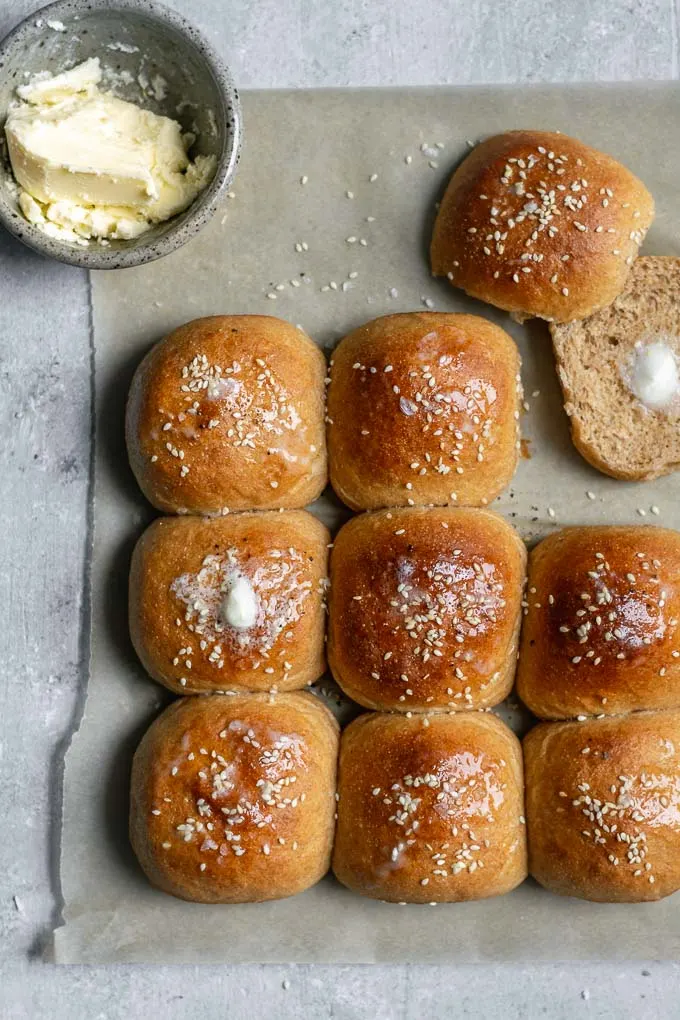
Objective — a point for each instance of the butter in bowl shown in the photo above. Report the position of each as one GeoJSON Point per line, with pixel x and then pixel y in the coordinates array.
{"type": "Point", "coordinates": [91, 165]}
{"type": "Point", "coordinates": [118, 158]}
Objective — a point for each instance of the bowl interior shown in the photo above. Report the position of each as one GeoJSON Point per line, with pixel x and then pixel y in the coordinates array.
{"type": "Point", "coordinates": [158, 64]}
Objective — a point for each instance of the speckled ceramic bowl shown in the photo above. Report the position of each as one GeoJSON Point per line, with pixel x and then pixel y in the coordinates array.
{"type": "Point", "coordinates": [150, 56]}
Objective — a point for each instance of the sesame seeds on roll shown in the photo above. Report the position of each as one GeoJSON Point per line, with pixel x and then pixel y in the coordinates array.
{"type": "Point", "coordinates": [234, 602]}
{"type": "Point", "coordinates": [425, 608]}
{"type": "Point", "coordinates": [601, 633]}
{"type": "Point", "coordinates": [423, 408]}
{"type": "Point", "coordinates": [430, 809]}
{"type": "Point", "coordinates": [233, 798]}
{"type": "Point", "coordinates": [603, 806]}
{"type": "Point", "coordinates": [227, 413]}
{"type": "Point", "coordinates": [540, 224]}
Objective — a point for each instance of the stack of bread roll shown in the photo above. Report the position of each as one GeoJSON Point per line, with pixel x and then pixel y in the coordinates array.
{"type": "Point", "coordinates": [243, 790]}
{"type": "Point", "coordinates": [600, 658]}
{"type": "Point", "coordinates": [425, 608]}
{"type": "Point", "coordinates": [233, 790]}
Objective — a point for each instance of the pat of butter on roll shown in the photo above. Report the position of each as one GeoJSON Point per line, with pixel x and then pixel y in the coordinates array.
{"type": "Point", "coordinates": [240, 607]}
{"type": "Point", "coordinates": [654, 376]}
{"type": "Point", "coordinates": [91, 165]}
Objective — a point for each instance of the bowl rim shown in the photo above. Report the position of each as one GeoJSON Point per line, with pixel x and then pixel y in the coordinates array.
{"type": "Point", "coordinates": [203, 207]}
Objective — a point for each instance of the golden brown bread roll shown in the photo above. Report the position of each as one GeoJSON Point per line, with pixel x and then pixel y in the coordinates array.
{"type": "Point", "coordinates": [600, 634]}
{"type": "Point", "coordinates": [423, 408]}
{"type": "Point", "coordinates": [430, 808]}
{"type": "Point", "coordinates": [233, 798]}
{"type": "Point", "coordinates": [425, 608]}
{"type": "Point", "coordinates": [227, 412]}
{"type": "Point", "coordinates": [603, 806]}
{"type": "Point", "coordinates": [237, 602]}
{"type": "Point", "coordinates": [541, 225]}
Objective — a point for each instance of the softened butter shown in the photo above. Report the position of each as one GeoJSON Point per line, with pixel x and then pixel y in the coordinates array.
{"type": "Point", "coordinates": [91, 165]}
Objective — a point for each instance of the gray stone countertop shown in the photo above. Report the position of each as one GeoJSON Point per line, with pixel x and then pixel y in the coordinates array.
{"type": "Point", "coordinates": [46, 386]}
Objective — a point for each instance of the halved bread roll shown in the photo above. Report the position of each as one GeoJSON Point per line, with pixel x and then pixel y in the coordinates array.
{"type": "Point", "coordinates": [620, 375]}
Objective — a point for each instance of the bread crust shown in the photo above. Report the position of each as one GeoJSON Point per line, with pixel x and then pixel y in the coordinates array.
{"type": "Point", "coordinates": [610, 428]}
{"type": "Point", "coordinates": [601, 633]}
{"type": "Point", "coordinates": [227, 412]}
{"type": "Point", "coordinates": [603, 807]}
{"type": "Point", "coordinates": [425, 608]}
{"type": "Point", "coordinates": [541, 225]}
{"type": "Point", "coordinates": [430, 808]}
{"type": "Point", "coordinates": [254, 821]}
{"type": "Point", "coordinates": [181, 568]}
{"type": "Point", "coordinates": [423, 408]}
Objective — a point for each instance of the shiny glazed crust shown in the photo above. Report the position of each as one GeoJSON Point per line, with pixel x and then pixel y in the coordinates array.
{"type": "Point", "coordinates": [430, 808]}
{"type": "Point", "coordinates": [603, 807]}
{"type": "Point", "coordinates": [425, 608]}
{"type": "Point", "coordinates": [181, 567]}
{"type": "Point", "coordinates": [227, 412]}
{"type": "Point", "coordinates": [233, 798]}
{"type": "Point", "coordinates": [601, 633]}
{"type": "Point", "coordinates": [541, 225]}
{"type": "Point", "coordinates": [423, 408]}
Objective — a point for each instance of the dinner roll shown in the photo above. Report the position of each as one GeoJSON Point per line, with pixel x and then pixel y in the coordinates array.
{"type": "Point", "coordinates": [430, 809]}
{"type": "Point", "coordinates": [425, 608]}
{"type": "Point", "coordinates": [601, 632]}
{"type": "Point", "coordinates": [233, 798]}
{"type": "Point", "coordinates": [227, 412]}
{"type": "Point", "coordinates": [423, 408]}
{"type": "Point", "coordinates": [603, 806]}
{"type": "Point", "coordinates": [232, 603]}
{"type": "Point", "coordinates": [541, 225]}
{"type": "Point", "coordinates": [620, 375]}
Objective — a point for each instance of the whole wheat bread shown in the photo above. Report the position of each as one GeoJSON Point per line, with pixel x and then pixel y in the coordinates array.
{"type": "Point", "coordinates": [610, 427]}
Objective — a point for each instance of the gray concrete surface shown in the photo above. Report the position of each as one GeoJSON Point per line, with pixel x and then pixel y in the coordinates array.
{"type": "Point", "coordinates": [45, 382]}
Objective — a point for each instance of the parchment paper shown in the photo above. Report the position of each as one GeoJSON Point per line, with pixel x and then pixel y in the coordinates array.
{"type": "Point", "coordinates": [338, 139]}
